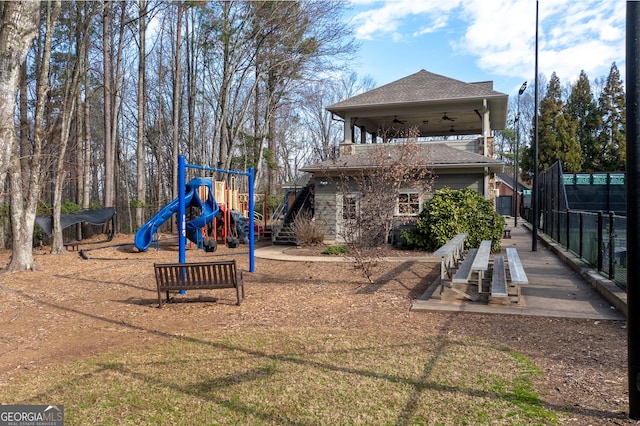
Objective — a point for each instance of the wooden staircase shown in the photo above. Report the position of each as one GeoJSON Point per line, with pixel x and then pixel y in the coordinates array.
{"type": "Point", "coordinates": [282, 233]}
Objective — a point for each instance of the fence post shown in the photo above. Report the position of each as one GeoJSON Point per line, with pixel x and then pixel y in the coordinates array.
{"type": "Point", "coordinates": [612, 235]}
{"type": "Point", "coordinates": [567, 229]}
{"type": "Point", "coordinates": [580, 221]}
{"type": "Point", "coordinates": [600, 246]}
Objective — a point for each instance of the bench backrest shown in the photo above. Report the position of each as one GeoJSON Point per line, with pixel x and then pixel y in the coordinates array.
{"type": "Point", "coordinates": [189, 275]}
{"type": "Point", "coordinates": [452, 246]}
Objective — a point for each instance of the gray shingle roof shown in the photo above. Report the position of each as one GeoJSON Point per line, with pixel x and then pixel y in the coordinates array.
{"type": "Point", "coordinates": [420, 87]}
{"type": "Point", "coordinates": [435, 155]}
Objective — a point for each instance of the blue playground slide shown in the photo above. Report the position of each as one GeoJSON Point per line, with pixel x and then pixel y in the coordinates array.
{"type": "Point", "coordinates": [208, 211]}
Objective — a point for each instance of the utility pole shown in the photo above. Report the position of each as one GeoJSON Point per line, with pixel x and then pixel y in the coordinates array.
{"type": "Point", "coordinates": [633, 204]}
{"type": "Point", "coordinates": [534, 195]}
{"type": "Point", "coordinates": [516, 170]}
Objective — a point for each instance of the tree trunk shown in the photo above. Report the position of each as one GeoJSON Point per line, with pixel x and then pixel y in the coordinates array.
{"type": "Point", "coordinates": [17, 32]}
{"type": "Point", "coordinates": [86, 155]}
{"type": "Point", "coordinates": [18, 29]}
{"type": "Point", "coordinates": [71, 90]}
{"type": "Point", "coordinates": [177, 91]}
{"type": "Point", "coordinates": [141, 183]}
{"type": "Point", "coordinates": [107, 65]}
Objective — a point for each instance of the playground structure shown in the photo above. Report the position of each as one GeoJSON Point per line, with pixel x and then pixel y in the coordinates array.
{"type": "Point", "coordinates": [216, 213]}
{"type": "Point", "coordinates": [209, 211]}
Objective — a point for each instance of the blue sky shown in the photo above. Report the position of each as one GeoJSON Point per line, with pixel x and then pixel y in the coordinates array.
{"type": "Point", "coordinates": [479, 40]}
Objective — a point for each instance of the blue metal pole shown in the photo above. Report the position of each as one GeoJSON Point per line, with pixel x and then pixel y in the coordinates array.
{"type": "Point", "coordinates": [252, 266]}
{"type": "Point", "coordinates": [182, 215]}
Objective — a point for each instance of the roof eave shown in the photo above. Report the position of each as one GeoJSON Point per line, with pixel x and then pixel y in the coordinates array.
{"type": "Point", "coordinates": [340, 110]}
{"type": "Point", "coordinates": [493, 167]}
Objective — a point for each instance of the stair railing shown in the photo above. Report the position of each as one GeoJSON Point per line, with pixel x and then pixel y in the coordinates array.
{"type": "Point", "coordinates": [278, 221]}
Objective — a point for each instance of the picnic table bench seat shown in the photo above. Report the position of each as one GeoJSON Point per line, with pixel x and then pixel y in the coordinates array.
{"type": "Point", "coordinates": [516, 271]}
{"type": "Point", "coordinates": [499, 278]}
{"type": "Point", "coordinates": [463, 274]}
{"type": "Point", "coordinates": [505, 287]}
{"type": "Point", "coordinates": [196, 276]}
{"type": "Point", "coordinates": [481, 261]}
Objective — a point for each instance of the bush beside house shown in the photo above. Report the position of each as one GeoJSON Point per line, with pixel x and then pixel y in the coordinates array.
{"type": "Point", "coordinates": [450, 212]}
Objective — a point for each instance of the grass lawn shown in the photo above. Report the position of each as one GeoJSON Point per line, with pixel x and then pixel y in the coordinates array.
{"type": "Point", "coordinates": [296, 376]}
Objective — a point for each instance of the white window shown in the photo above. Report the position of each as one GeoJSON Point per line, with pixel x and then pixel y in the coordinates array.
{"type": "Point", "coordinates": [349, 207]}
{"type": "Point", "coordinates": [347, 211]}
{"type": "Point", "coordinates": [408, 203]}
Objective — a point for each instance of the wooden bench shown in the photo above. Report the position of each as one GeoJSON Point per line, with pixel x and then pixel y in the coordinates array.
{"type": "Point", "coordinates": [73, 245]}
{"type": "Point", "coordinates": [196, 276]}
{"type": "Point", "coordinates": [516, 271]}
{"type": "Point", "coordinates": [450, 254]}
{"type": "Point", "coordinates": [506, 233]}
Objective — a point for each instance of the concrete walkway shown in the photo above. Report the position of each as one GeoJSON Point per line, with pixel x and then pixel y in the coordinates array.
{"type": "Point", "coordinates": [559, 284]}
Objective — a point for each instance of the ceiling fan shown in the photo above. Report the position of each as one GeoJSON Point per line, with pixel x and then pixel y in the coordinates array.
{"type": "Point", "coordinates": [395, 120]}
{"type": "Point", "coordinates": [445, 117]}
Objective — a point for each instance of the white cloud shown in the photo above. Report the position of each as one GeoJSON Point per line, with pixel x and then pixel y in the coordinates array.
{"type": "Point", "coordinates": [383, 18]}
{"type": "Point", "coordinates": [500, 34]}
{"type": "Point", "coordinates": [438, 23]}
{"type": "Point", "coordinates": [572, 36]}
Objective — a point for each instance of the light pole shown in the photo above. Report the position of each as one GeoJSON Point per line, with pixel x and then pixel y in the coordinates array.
{"type": "Point", "coordinates": [515, 168]}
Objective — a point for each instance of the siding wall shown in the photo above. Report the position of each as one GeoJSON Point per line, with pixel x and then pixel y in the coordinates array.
{"type": "Point", "coordinates": [325, 207]}
{"type": "Point", "coordinates": [326, 197]}
{"type": "Point", "coordinates": [459, 180]}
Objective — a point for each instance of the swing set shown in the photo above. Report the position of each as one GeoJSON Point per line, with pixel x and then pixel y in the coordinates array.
{"type": "Point", "coordinates": [226, 199]}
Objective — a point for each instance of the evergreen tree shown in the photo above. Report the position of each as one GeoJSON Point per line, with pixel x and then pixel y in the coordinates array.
{"type": "Point", "coordinates": [557, 131]}
{"type": "Point", "coordinates": [583, 109]}
{"type": "Point", "coordinates": [612, 133]}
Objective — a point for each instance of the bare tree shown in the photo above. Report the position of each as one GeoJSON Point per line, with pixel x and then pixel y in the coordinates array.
{"type": "Point", "coordinates": [72, 79]}
{"type": "Point", "coordinates": [112, 51]}
{"type": "Point", "coordinates": [177, 92]}
{"type": "Point", "coordinates": [390, 183]}
{"type": "Point", "coordinates": [85, 146]}
{"type": "Point", "coordinates": [326, 132]}
{"type": "Point", "coordinates": [107, 66]}
{"type": "Point", "coordinates": [26, 182]}
{"type": "Point", "coordinates": [17, 32]}
{"type": "Point", "coordinates": [141, 182]}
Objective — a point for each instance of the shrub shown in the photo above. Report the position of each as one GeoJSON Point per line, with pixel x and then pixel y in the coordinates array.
{"type": "Point", "coordinates": [306, 229]}
{"type": "Point", "coordinates": [69, 207]}
{"type": "Point", "coordinates": [450, 212]}
{"type": "Point", "coordinates": [335, 250]}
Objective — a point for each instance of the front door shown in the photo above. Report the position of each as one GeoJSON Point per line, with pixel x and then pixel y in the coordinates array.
{"type": "Point", "coordinates": [504, 205]}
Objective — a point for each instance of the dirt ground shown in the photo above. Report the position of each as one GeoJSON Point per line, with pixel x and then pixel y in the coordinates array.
{"type": "Point", "coordinates": [79, 307]}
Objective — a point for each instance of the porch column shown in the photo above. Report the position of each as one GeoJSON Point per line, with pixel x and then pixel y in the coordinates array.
{"type": "Point", "coordinates": [486, 127]}
{"type": "Point", "coordinates": [346, 147]}
{"type": "Point", "coordinates": [349, 123]}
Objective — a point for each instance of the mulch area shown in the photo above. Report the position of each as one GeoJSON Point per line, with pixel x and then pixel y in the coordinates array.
{"type": "Point", "coordinates": [76, 307]}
